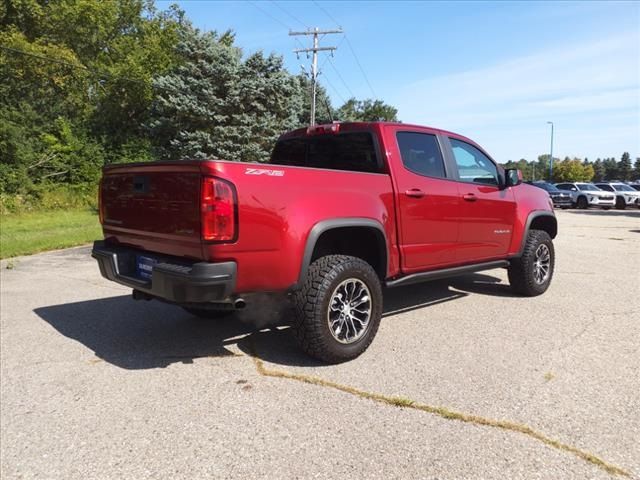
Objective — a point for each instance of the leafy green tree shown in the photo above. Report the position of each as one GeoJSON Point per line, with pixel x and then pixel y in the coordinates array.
{"type": "Point", "coordinates": [572, 170]}
{"type": "Point", "coordinates": [636, 169]}
{"type": "Point", "coordinates": [78, 75]}
{"type": "Point", "coordinates": [624, 167]}
{"type": "Point", "coordinates": [214, 104]}
{"type": "Point", "coordinates": [366, 111]}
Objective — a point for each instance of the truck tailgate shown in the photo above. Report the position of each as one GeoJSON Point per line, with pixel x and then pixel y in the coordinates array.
{"type": "Point", "coordinates": [154, 206]}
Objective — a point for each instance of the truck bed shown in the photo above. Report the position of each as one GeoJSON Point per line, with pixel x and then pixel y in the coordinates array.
{"type": "Point", "coordinates": [155, 207]}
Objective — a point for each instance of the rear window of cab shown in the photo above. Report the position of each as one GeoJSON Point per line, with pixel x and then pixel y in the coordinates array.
{"type": "Point", "coordinates": [352, 151]}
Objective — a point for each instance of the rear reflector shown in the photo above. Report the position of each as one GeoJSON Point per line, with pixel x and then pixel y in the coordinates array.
{"type": "Point", "coordinates": [217, 210]}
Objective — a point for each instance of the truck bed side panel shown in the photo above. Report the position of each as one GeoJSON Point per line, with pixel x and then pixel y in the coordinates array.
{"type": "Point", "coordinates": [277, 208]}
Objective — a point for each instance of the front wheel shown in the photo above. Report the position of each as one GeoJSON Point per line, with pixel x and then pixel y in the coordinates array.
{"type": "Point", "coordinates": [620, 203]}
{"type": "Point", "coordinates": [582, 203]}
{"type": "Point", "coordinates": [338, 309]}
{"type": "Point", "coordinates": [531, 274]}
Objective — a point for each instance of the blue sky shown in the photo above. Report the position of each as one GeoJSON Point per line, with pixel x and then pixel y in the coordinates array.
{"type": "Point", "coordinates": [494, 71]}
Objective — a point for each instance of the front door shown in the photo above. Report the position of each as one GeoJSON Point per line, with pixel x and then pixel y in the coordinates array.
{"type": "Point", "coordinates": [488, 212]}
{"type": "Point", "coordinates": [427, 200]}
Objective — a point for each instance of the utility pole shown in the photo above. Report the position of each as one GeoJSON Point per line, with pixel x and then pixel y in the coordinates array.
{"type": "Point", "coordinates": [314, 64]}
{"type": "Point", "coordinates": [551, 155]}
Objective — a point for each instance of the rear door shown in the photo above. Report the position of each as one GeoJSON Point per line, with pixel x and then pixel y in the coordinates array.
{"type": "Point", "coordinates": [488, 213]}
{"type": "Point", "coordinates": [426, 197]}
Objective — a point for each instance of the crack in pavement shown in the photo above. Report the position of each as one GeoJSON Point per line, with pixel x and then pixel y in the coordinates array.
{"type": "Point", "coordinates": [434, 410]}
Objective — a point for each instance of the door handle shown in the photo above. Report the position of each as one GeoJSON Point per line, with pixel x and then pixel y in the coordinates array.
{"type": "Point", "coordinates": [469, 197]}
{"type": "Point", "coordinates": [415, 193]}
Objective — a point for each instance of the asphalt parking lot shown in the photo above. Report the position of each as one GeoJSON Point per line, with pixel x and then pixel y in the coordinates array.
{"type": "Point", "coordinates": [95, 385]}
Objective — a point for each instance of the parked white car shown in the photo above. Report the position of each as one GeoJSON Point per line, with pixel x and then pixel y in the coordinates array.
{"type": "Point", "coordinates": [588, 195]}
{"type": "Point", "coordinates": [626, 196]}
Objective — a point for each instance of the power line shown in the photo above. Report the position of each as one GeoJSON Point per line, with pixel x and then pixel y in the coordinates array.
{"type": "Point", "coordinates": [327, 14]}
{"type": "Point", "coordinates": [349, 45]}
{"type": "Point", "coordinates": [275, 19]}
{"type": "Point", "coordinates": [293, 17]}
{"type": "Point", "coordinates": [340, 77]}
{"type": "Point", "coordinates": [269, 15]}
{"type": "Point", "coordinates": [360, 66]}
{"type": "Point", "coordinates": [335, 90]}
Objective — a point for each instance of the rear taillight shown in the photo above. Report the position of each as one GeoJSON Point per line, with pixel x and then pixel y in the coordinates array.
{"type": "Point", "coordinates": [100, 203]}
{"type": "Point", "coordinates": [217, 209]}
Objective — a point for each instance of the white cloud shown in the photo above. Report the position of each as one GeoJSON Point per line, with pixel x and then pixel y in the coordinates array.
{"type": "Point", "coordinates": [584, 88]}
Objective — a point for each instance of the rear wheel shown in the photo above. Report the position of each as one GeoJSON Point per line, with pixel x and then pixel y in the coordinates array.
{"type": "Point", "coordinates": [582, 203]}
{"type": "Point", "coordinates": [208, 314]}
{"type": "Point", "coordinates": [338, 309]}
{"type": "Point", "coordinates": [531, 274]}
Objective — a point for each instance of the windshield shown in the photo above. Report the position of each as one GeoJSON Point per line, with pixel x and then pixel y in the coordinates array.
{"type": "Point", "coordinates": [588, 187]}
{"type": "Point", "coordinates": [621, 187]}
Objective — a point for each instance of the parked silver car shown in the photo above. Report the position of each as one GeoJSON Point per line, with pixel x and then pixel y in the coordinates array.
{"type": "Point", "coordinates": [626, 196]}
{"type": "Point", "coordinates": [588, 195]}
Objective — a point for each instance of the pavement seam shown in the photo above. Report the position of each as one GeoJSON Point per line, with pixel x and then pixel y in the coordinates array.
{"type": "Point", "coordinates": [434, 410]}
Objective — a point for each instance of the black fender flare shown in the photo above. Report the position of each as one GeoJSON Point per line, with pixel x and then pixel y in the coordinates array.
{"type": "Point", "coordinates": [330, 224]}
{"type": "Point", "coordinates": [530, 218]}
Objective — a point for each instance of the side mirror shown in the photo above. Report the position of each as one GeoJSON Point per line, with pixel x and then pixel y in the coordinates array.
{"type": "Point", "coordinates": [513, 177]}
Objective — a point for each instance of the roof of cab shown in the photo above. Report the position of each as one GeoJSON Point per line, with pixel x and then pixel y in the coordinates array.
{"type": "Point", "coordinates": [364, 125]}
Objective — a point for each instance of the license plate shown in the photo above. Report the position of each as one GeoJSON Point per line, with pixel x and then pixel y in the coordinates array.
{"type": "Point", "coordinates": [144, 266]}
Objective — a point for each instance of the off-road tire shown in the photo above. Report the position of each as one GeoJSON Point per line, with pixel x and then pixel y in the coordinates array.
{"type": "Point", "coordinates": [207, 314]}
{"type": "Point", "coordinates": [311, 302]}
{"type": "Point", "coordinates": [620, 203]}
{"type": "Point", "coordinates": [521, 270]}
{"type": "Point", "coordinates": [582, 203]}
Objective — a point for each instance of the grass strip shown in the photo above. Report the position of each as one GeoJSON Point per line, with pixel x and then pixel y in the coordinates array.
{"type": "Point", "coordinates": [27, 233]}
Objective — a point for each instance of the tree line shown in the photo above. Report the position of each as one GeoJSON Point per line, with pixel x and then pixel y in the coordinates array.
{"type": "Point", "coordinates": [86, 83]}
{"type": "Point", "coordinates": [579, 170]}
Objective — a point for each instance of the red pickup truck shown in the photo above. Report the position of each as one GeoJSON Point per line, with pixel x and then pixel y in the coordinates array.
{"type": "Point", "coordinates": [341, 211]}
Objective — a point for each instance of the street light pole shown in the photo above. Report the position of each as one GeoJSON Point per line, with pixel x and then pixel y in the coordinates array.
{"type": "Point", "coordinates": [551, 155]}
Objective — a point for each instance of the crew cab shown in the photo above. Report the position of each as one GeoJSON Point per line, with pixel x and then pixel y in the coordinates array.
{"type": "Point", "coordinates": [586, 195]}
{"type": "Point", "coordinates": [340, 211]}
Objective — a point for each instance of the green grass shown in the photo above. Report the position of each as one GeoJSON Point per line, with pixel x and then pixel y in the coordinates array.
{"type": "Point", "coordinates": [27, 233]}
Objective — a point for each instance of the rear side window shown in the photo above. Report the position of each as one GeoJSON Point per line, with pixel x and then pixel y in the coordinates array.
{"type": "Point", "coordinates": [473, 165]}
{"type": "Point", "coordinates": [354, 152]}
{"type": "Point", "coordinates": [421, 154]}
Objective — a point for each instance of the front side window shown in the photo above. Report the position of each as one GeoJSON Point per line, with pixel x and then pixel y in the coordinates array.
{"type": "Point", "coordinates": [608, 188]}
{"type": "Point", "coordinates": [421, 154]}
{"type": "Point", "coordinates": [473, 165]}
{"type": "Point", "coordinates": [621, 187]}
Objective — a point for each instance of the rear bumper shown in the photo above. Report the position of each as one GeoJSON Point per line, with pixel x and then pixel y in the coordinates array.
{"type": "Point", "coordinates": [173, 280]}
